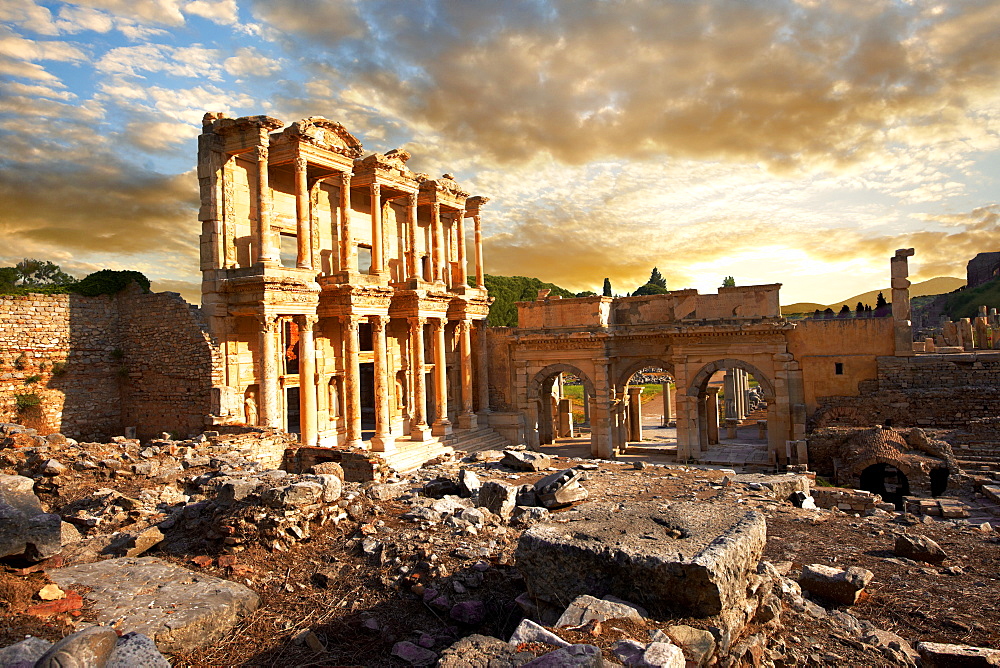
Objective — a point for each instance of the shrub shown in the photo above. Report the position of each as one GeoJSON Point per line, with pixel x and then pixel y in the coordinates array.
{"type": "Point", "coordinates": [20, 361]}
{"type": "Point", "coordinates": [26, 401]}
{"type": "Point", "coordinates": [31, 380]}
{"type": "Point", "coordinates": [58, 368]}
{"type": "Point", "coordinates": [109, 282]}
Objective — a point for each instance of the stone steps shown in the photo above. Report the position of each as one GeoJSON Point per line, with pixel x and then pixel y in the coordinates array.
{"type": "Point", "coordinates": [411, 455]}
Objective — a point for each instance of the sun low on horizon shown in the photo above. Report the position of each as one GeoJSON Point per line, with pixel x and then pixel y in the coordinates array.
{"type": "Point", "coordinates": [791, 142]}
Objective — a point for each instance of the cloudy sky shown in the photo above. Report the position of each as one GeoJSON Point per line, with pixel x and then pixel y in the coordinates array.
{"type": "Point", "coordinates": [792, 141]}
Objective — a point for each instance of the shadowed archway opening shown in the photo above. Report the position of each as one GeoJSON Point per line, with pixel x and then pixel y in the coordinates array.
{"type": "Point", "coordinates": [649, 416]}
{"type": "Point", "coordinates": [559, 394]}
{"type": "Point", "coordinates": [734, 405]}
{"type": "Point", "coordinates": [887, 481]}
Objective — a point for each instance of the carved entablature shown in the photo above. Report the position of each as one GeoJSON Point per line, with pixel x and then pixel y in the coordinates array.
{"type": "Point", "coordinates": [348, 299]}
{"type": "Point", "coordinates": [444, 190]}
{"type": "Point", "coordinates": [413, 303]}
{"type": "Point", "coordinates": [469, 309]}
{"type": "Point", "coordinates": [222, 125]}
{"type": "Point", "coordinates": [390, 166]}
{"type": "Point", "coordinates": [474, 204]}
{"type": "Point", "coordinates": [324, 134]}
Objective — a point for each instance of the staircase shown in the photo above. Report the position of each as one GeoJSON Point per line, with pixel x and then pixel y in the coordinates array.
{"type": "Point", "coordinates": [411, 455]}
{"type": "Point", "coordinates": [978, 457]}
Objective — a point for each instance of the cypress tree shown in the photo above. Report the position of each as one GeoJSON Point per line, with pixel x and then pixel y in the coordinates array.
{"type": "Point", "coordinates": [607, 287]}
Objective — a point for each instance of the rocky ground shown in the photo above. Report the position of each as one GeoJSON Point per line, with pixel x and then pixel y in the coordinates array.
{"type": "Point", "coordinates": [378, 574]}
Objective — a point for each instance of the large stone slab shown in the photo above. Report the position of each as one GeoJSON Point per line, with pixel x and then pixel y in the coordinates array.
{"type": "Point", "coordinates": [178, 608]}
{"type": "Point", "coordinates": [690, 559]}
{"type": "Point", "coordinates": [24, 526]}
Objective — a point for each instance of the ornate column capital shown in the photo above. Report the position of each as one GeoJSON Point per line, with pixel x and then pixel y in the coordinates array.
{"type": "Point", "coordinates": [260, 153]}
{"type": "Point", "coordinates": [378, 322]}
{"type": "Point", "coordinates": [410, 200]}
{"type": "Point", "coordinates": [345, 178]}
{"type": "Point", "coordinates": [300, 164]}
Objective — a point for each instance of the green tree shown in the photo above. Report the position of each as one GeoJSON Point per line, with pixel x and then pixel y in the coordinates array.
{"type": "Point", "coordinates": [656, 278]}
{"type": "Point", "coordinates": [8, 278]}
{"type": "Point", "coordinates": [845, 311]}
{"type": "Point", "coordinates": [859, 310]}
{"type": "Point", "coordinates": [607, 287]}
{"type": "Point", "coordinates": [506, 291]}
{"type": "Point", "coordinates": [109, 282]}
{"type": "Point", "coordinates": [650, 289]}
{"type": "Point", "coordinates": [881, 302]}
{"type": "Point", "coordinates": [32, 273]}
{"type": "Point", "coordinates": [586, 293]}
{"type": "Point", "coordinates": [729, 282]}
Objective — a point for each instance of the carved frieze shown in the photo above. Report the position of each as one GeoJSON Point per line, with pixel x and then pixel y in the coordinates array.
{"type": "Point", "coordinates": [323, 133]}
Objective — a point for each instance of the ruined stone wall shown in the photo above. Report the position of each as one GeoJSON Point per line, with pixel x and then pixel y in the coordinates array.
{"type": "Point", "coordinates": [62, 354]}
{"type": "Point", "coordinates": [982, 269]}
{"type": "Point", "coordinates": [169, 360]}
{"type": "Point", "coordinates": [95, 365]}
{"type": "Point", "coordinates": [925, 390]}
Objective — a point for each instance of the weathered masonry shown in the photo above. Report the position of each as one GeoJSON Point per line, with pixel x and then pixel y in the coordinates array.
{"type": "Point", "coordinates": [336, 286]}
{"type": "Point", "coordinates": [740, 330]}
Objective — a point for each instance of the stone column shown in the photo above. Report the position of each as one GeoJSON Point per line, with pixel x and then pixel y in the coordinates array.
{"type": "Point", "coordinates": [270, 414]}
{"type": "Point", "coordinates": [308, 431]}
{"type": "Point", "coordinates": [303, 233]}
{"type": "Point", "coordinates": [480, 283]}
{"type": "Point", "coordinates": [377, 267]}
{"type": "Point", "coordinates": [463, 270]}
{"type": "Point", "coordinates": [565, 411]}
{"type": "Point", "coordinates": [352, 384]}
{"type": "Point", "coordinates": [442, 425]}
{"type": "Point", "coordinates": [586, 405]}
{"type": "Point", "coordinates": [712, 414]}
{"type": "Point", "coordinates": [382, 441]}
{"type": "Point", "coordinates": [634, 413]}
{"type": "Point", "coordinates": [411, 227]}
{"type": "Point", "coordinates": [348, 251]}
{"type": "Point", "coordinates": [899, 271]}
{"type": "Point", "coordinates": [729, 385]}
{"type": "Point", "coordinates": [668, 403]}
{"type": "Point", "coordinates": [265, 242]}
{"type": "Point", "coordinates": [419, 431]}
{"type": "Point", "coordinates": [467, 418]}
{"type": "Point", "coordinates": [483, 372]}
{"type": "Point", "coordinates": [437, 234]}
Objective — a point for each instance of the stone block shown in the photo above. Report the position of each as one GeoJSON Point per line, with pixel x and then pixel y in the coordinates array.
{"type": "Point", "coordinates": [585, 608]}
{"type": "Point", "coordinates": [179, 609]}
{"type": "Point", "coordinates": [498, 498]}
{"type": "Point", "coordinates": [919, 548]}
{"type": "Point", "coordinates": [24, 527]}
{"type": "Point", "coordinates": [942, 655]}
{"type": "Point", "coordinates": [834, 584]}
{"type": "Point", "coordinates": [692, 559]}
{"type": "Point", "coordinates": [523, 460]}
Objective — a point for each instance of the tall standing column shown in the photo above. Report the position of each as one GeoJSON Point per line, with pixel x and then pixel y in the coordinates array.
{"type": "Point", "coordinates": [437, 233]}
{"type": "Point", "coordinates": [668, 403]}
{"type": "Point", "coordinates": [382, 441]}
{"type": "Point", "coordinates": [270, 415]}
{"type": "Point", "coordinates": [463, 270]}
{"type": "Point", "coordinates": [377, 261]}
{"type": "Point", "coordinates": [303, 233]}
{"type": "Point", "coordinates": [730, 384]}
{"type": "Point", "coordinates": [634, 413]}
{"type": "Point", "coordinates": [466, 419]}
{"type": "Point", "coordinates": [442, 425]}
{"type": "Point", "coordinates": [419, 431]}
{"type": "Point", "coordinates": [411, 228]}
{"type": "Point", "coordinates": [352, 384]}
{"type": "Point", "coordinates": [483, 372]}
{"type": "Point", "coordinates": [712, 414]}
{"type": "Point", "coordinates": [307, 381]}
{"type": "Point", "coordinates": [265, 244]}
{"type": "Point", "coordinates": [348, 251]}
{"type": "Point", "coordinates": [480, 283]}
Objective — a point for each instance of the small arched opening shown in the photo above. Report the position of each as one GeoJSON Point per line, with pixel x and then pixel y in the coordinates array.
{"type": "Point", "coordinates": [559, 397]}
{"type": "Point", "coordinates": [887, 481]}
{"type": "Point", "coordinates": [939, 480]}
{"type": "Point", "coordinates": [648, 392]}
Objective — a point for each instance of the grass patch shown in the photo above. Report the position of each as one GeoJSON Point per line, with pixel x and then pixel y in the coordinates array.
{"type": "Point", "coordinates": [26, 401]}
{"type": "Point", "coordinates": [966, 303]}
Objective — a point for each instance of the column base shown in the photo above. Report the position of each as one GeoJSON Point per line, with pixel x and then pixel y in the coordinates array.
{"type": "Point", "coordinates": [383, 443]}
{"type": "Point", "coordinates": [420, 432]}
{"type": "Point", "coordinates": [441, 427]}
{"type": "Point", "coordinates": [354, 443]}
{"type": "Point", "coordinates": [468, 421]}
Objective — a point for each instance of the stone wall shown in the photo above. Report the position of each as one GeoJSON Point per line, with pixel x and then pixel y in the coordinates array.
{"type": "Point", "coordinates": [981, 269]}
{"type": "Point", "coordinates": [945, 391]}
{"type": "Point", "coordinates": [848, 500]}
{"type": "Point", "coordinates": [95, 365]}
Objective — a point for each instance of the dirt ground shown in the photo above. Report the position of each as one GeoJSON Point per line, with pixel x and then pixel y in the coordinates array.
{"type": "Point", "coordinates": [357, 605]}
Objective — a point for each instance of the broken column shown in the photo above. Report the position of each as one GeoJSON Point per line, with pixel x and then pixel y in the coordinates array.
{"type": "Point", "coordinates": [899, 271]}
{"type": "Point", "coordinates": [668, 404]}
{"type": "Point", "coordinates": [565, 409]}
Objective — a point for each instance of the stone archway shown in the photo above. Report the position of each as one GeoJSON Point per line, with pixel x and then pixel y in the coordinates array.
{"type": "Point", "coordinates": [707, 431]}
{"type": "Point", "coordinates": [631, 427]}
{"type": "Point", "coordinates": [539, 399]}
{"type": "Point", "coordinates": [637, 366]}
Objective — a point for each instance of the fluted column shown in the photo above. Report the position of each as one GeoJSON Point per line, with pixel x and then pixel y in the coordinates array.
{"type": "Point", "coordinates": [307, 381]}
{"type": "Point", "coordinates": [270, 414]}
{"type": "Point", "coordinates": [411, 228]}
{"type": "Point", "coordinates": [303, 233]}
{"type": "Point", "coordinates": [467, 418]}
{"type": "Point", "coordinates": [442, 425]}
{"type": "Point", "coordinates": [382, 441]}
{"type": "Point", "coordinates": [419, 431]}
{"type": "Point", "coordinates": [483, 372]}
{"type": "Point", "coordinates": [352, 384]}
{"type": "Point", "coordinates": [377, 260]}
{"type": "Point", "coordinates": [437, 235]}
{"type": "Point", "coordinates": [265, 244]}
{"type": "Point", "coordinates": [463, 270]}
{"type": "Point", "coordinates": [348, 251]}
{"type": "Point", "coordinates": [480, 281]}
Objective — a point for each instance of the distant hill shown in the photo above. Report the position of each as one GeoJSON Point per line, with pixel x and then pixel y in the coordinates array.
{"type": "Point", "coordinates": [934, 286]}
